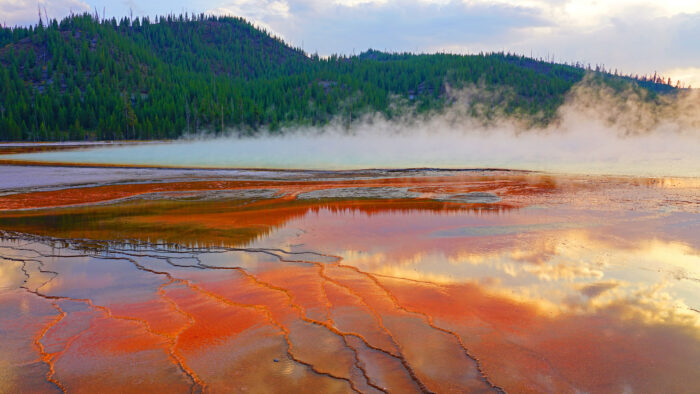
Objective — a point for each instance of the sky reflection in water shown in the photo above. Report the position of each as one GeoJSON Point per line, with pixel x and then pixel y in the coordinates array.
{"type": "Point", "coordinates": [558, 285]}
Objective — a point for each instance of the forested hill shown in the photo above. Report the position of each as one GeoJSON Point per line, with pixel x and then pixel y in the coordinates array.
{"type": "Point", "coordinates": [86, 78]}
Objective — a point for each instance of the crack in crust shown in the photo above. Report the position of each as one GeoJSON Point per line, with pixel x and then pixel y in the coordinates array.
{"type": "Point", "coordinates": [106, 251]}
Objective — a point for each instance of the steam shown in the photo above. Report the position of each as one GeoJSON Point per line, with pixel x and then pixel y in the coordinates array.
{"type": "Point", "coordinates": [632, 112]}
{"type": "Point", "coordinates": [597, 131]}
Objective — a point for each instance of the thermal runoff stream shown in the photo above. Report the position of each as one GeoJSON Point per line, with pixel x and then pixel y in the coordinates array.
{"type": "Point", "coordinates": [125, 280]}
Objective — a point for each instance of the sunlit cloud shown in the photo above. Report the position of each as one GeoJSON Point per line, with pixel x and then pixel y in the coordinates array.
{"type": "Point", "coordinates": [11, 276]}
{"type": "Point", "coordinates": [586, 12]}
{"type": "Point", "coordinates": [574, 272]}
{"type": "Point", "coordinates": [631, 35]}
{"type": "Point", "coordinates": [593, 290]}
{"type": "Point", "coordinates": [687, 75]}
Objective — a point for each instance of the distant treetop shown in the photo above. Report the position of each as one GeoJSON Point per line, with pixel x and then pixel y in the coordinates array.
{"type": "Point", "coordinates": [87, 78]}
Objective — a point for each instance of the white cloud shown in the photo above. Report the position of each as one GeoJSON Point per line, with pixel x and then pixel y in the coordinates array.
{"type": "Point", "coordinates": [634, 36]}
{"type": "Point", "coordinates": [24, 12]}
{"type": "Point", "coordinates": [591, 13]}
{"type": "Point", "coordinates": [265, 14]}
{"type": "Point", "coordinates": [634, 42]}
{"type": "Point", "coordinates": [353, 3]}
{"type": "Point", "coordinates": [259, 10]}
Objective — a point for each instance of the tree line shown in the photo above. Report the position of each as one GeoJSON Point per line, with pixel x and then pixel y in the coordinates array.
{"type": "Point", "coordinates": [87, 78]}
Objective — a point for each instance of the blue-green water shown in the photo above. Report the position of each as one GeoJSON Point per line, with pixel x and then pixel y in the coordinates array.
{"type": "Point", "coordinates": [654, 155]}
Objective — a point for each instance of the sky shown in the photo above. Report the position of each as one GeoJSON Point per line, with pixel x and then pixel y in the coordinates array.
{"type": "Point", "coordinates": [633, 36]}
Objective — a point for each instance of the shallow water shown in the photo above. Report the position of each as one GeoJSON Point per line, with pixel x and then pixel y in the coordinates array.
{"type": "Point", "coordinates": [398, 282]}
{"type": "Point", "coordinates": [586, 151]}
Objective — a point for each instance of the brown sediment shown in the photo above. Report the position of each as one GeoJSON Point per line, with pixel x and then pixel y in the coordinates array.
{"type": "Point", "coordinates": [14, 149]}
{"type": "Point", "coordinates": [198, 383]}
{"type": "Point", "coordinates": [431, 322]}
{"type": "Point", "coordinates": [8, 148]}
{"type": "Point", "coordinates": [301, 313]}
{"type": "Point", "coordinates": [396, 351]}
{"type": "Point", "coordinates": [257, 308]}
{"type": "Point", "coordinates": [48, 358]}
{"type": "Point", "coordinates": [458, 309]}
{"type": "Point", "coordinates": [393, 305]}
{"type": "Point", "coordinates": [329, 323]}
{"type": "Point", "coordinates": [503, 186]}
{"type": "Point", "coordinates": [23, 318]}
{"type": "Point", "coordinates": [54, 357]}
{"type": "Point", "coordinates": [266, 312]}
{"type": "Point", "coordinates": [229, 223]}
{"type": "Point", "coordinates": [517, 341]}
{"type": "Point", "coordinates": [128, 347]}
{"type": "Point", "coordinates": [217, 280]}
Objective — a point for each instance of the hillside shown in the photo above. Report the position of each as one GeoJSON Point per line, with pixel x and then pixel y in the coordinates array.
{"type": "Point", "coordinates": [85, 78]}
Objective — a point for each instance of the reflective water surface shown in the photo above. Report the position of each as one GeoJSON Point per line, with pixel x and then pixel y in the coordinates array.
{"type": "Point", "coordinates": [399, 282]}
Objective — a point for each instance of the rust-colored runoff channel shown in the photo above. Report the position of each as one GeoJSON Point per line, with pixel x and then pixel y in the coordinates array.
{"type": "Point", "coordinates": [533, 284]}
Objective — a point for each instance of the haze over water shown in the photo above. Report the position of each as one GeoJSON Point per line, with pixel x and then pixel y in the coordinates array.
{"type": "Point", "coordinates": [175, 280]}
{"type": "Point", "coordinates": [594, 153]}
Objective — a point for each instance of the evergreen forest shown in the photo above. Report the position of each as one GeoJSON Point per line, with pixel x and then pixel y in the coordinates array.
{"type": "Point", "coordinates": [90, 78]}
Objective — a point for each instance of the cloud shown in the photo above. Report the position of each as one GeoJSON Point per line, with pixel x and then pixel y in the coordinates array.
{"type": "Point", "coordinates": [344, 25]}
{"type": "Point", "coordinates": [634, 36]}
{"type": "Point", "coordinates": [631, 35]}
{"type": "Point", "coordinates": [24, 12]}
{"type": "Point", "coordinates": [633, 42]}
{"type": "Point", "coordinates": [689, 75]}
{"type": "Point", "coordinates": [593, 290]}
{"type": "Point", "coordinates": [258, 10]}
{"type": "Point", "coordinates": [265, 14]}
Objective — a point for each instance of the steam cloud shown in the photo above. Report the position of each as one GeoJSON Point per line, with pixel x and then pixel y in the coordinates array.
{"type": "Point", "coordinates": [597, 131]}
